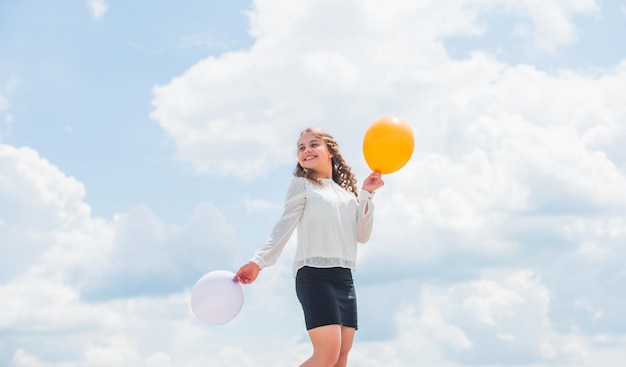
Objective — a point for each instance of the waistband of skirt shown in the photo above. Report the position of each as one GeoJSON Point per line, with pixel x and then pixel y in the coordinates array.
{"type": "Point", "coordinates": [335, 272]}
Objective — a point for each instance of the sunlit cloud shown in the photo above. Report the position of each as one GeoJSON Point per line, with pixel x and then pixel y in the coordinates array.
{"type": "Point", "coordinates": [97, 8]}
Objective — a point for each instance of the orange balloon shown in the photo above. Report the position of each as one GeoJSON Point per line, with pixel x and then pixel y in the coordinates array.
{"type": "Point", "coordinates": [388, 144]}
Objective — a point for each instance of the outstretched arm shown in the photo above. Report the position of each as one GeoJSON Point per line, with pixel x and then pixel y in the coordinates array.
{"type": "Point", "coordinates": [271, 250]}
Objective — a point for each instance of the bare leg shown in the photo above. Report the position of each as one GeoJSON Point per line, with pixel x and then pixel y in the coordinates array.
{"type": "Point", "coordinates": [347, 337]}
{"type": "Point", "coordinates": [327, 345]}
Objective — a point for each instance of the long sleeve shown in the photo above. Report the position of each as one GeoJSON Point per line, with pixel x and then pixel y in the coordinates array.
{"type": "Point", "coordinates": [275, 243]}
{"type": "Point", "coordinates": [365, 216]}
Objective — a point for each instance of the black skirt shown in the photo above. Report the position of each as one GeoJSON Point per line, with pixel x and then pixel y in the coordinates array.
{"type": "Point", "coordinates": [327, 296]}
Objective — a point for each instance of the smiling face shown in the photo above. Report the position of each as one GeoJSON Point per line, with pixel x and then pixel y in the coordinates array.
{"type": "Point", "coordinates": [313, 155]}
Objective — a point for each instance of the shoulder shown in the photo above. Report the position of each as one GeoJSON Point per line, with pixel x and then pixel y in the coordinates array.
{"type": "Point", "coordinates": [298, 182]}
{"type": "Point", "coordinates": [297, 186]}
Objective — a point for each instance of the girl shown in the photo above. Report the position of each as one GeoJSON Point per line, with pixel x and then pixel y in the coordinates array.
{"type": "Point", "coordinates": [322, 203]}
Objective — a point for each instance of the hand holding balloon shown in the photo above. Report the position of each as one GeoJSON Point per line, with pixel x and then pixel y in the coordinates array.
{"type": "Point", "coordinates": [373, 182]}
{"type": "Point", "coordinates": [247, 273]}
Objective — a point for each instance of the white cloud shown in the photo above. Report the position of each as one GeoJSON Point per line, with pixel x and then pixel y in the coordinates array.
{"type": "Point", "coordinates": [551, 24]}
{"type": "Point", "coordinates": [238, 113]}
{"type": "Point", "coordinates": [39, 203]}
{"type": "Point", "coordinates": [97, 8]}
{"type": "Point", "coordinates": [148, 257]}
{"type": "Point", "coordinates": [242, 110]}
{"type": "Point", "coordinates": [44, 213]}
{"type": "Point", "coordinates": [502, 317]}
{"type": "Point", "coordinates": [70, 274]}
{"type": "Point", "coordinates": [598, 240]}
{"type": "Point", "coordinates": [34, 304]}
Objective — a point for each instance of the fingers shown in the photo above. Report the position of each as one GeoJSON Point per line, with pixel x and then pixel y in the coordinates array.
{"type": "Point", "coordinates": [242, 276]}
{"type": "Point", "coordinates": [242, 280]}
{"type": "Point", "coordinates": [246, 274]}
{"type": "Point", "coordinates": [374, 181]}
{"type": "Point", "coordinates": [375, 177]}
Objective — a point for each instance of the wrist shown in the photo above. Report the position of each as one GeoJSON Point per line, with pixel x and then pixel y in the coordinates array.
{"type": "Point", "coordinates": [367, 195]}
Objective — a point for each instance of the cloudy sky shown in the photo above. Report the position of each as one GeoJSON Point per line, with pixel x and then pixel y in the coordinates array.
{"type": "Point", "coordinates": [144, 144]}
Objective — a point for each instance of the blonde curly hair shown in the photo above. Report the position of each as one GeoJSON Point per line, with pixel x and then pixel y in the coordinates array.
{"type": "Point", "coordinates": [342, 173]}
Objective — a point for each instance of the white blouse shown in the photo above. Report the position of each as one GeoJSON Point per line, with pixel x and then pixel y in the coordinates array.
{"type": "Point", "coordinates": [330, 222]}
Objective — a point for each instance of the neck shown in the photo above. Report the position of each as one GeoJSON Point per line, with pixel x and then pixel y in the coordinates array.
{"type": "Point", "coordinates": [328, 174]}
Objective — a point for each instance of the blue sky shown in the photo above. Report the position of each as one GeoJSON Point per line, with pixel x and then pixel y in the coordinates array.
{"type": "Point", "coordinates": [144, 144]}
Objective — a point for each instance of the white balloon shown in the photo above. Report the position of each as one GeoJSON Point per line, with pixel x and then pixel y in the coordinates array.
{"type": "Point", "coordinates": [216, 298]}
